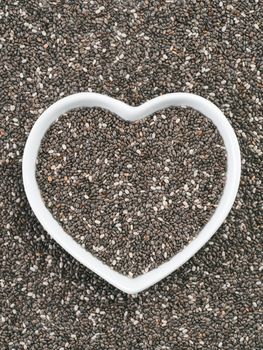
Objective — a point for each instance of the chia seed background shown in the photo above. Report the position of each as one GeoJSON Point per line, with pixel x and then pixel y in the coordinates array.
{"type": "Point", "coordinates": [132, 51]}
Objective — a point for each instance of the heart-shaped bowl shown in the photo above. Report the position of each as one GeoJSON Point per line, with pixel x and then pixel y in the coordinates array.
{"type": "Point", "coordinates": [130, 113]}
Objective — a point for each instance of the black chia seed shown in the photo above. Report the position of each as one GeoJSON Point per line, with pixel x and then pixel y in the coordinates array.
{"type": "Point", "coordinates": [133, 194]}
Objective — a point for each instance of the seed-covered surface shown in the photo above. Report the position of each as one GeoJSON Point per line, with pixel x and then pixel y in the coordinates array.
{"type": "Point", "coordinates": [133, 194]}
{"type": "Point", "coordinates": [132, 51]}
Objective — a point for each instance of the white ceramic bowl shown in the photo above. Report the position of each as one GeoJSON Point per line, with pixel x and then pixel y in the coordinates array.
{"type": "Point", "coordinates": [126, 112]}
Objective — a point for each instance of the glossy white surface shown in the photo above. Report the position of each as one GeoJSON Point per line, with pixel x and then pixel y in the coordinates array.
{"type": "Point", "coordinates": [208, 109]}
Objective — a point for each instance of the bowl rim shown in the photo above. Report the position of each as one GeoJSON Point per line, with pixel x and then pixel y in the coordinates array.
{"type": "Point", "coordinates": [131, 113]}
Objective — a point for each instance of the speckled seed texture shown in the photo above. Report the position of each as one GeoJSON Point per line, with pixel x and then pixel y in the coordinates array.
{"type": "Point", "coordinates": [133, 194]}
{"type": "Point", "coordinates": [133, 51]}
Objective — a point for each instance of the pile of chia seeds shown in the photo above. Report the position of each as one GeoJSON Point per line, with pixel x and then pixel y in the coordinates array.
{"type": "Point", "coordinates": [132, 51]}
{"type": "Point", "coordinates": [133, 194]}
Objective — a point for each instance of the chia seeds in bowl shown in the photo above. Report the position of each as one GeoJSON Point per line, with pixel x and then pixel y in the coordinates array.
{"type": "Point", "coordinates": [133, 194]}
